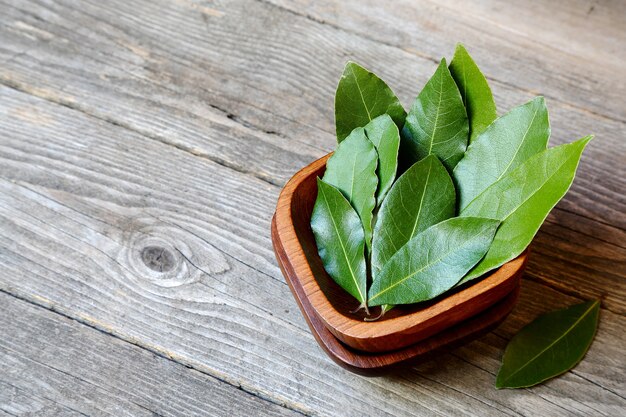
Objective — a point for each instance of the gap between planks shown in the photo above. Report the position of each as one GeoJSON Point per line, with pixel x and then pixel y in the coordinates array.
{"type": "Point", "coordinates": [435, 60]}
{"type": "Point", "coordinates": [195, 152]}
{"type": "Point", "coordinates": [45, 304]}
{"type": "Point", "coordinates": [219, 161]}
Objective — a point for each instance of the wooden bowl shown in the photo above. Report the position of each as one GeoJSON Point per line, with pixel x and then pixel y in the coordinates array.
{"type": "Point", "coordinates": [375, 364]}
{"type": "Point", "coordinates": [403, 326]}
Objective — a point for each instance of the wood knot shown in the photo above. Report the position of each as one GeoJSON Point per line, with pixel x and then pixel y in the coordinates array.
{"type": "Point", "coordinates": [158, 258]}
{"type": "Point", "coordinates": [169, 256]}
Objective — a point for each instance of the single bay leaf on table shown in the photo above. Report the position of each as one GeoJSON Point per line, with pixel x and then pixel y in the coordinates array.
{"type": "Point", "coordinates": [361, 97]}
{"type": "Point", "coordinates": [384, 134]}
{"type": "Point", "coordinates": [475, 91]}
{"type": "Point", "coordinates": [340, 240]}
{"type": "Point", "coordinates": [522, 200]}
{"type": "Point", "coordinates": [437, 122]}
{"type": "Point", "coordinates": [433, 261]}
{"type": "Point", "coordinates": [352, 169]}
{"type": "Point", "coordinates": [552, 344]}
{"type": "Point", "coordinates": [423, 196]}
{"type": "Point", "coordinates": [502, 147]}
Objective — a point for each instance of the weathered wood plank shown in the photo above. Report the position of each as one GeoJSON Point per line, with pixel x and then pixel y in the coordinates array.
{"type": "Point", "coordinates": [243, 323]}
{"type": "Point", "coordinates": [538, 46]}
{"type": "Point", "coordinates": [15, 401]}
{"type": "Point", "coordinates": [141, 85]}
{"type": "Point", "coordinates": [588, 30]}
{"type": "Point", "coordinates": [607, 369]}
{"type": "Point", "coordinates": [135, 76]}
{"type": "Point", "coordinates": [215, 300]}
{"type": "Point", "coordinates": [94, 72]}
{"type": "Point", "coordinates": [52, 365]}
{"type": "Point", "coordinates": [144, 68]}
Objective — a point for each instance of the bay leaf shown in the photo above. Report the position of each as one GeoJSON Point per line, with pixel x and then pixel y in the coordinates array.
{"type": "Point", "coordinates": [433, 261]}
{"type": "Point", "coordinates": [552, 344]}
{"type": "Point", "coordinates": [522, 200]}
{"type": "Point", "coordinates": [340, 240]}
{"type": "Point", "coordinates": [423, 196]}
{"type": "Point", "coordinates": [437, 122]}
{"type": "Point", "coordinates": [502, 147]}
{"type": "Point", "coordinates": [475, 91]}
{"type": "Point", "coordinates": [352, 169]}
{"type": "Point", "coordinates": [384, 134]}
{"type": "Point", "coordinates": [361, 97]}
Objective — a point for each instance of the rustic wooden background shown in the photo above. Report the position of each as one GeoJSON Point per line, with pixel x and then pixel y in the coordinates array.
{"type": "Point", "coordinates": [143, 145]}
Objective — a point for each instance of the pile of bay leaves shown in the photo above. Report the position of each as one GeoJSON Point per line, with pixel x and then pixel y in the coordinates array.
{"type": "Point", "coordinates": [419, 203]}
{"type": "Point", "coordinates": [413, 205]}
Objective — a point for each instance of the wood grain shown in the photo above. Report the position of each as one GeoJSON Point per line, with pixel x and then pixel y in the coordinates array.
{"type": "Point", "coordinates": [296, 252]}
{"type": "Point", "coordinates": [56, 366]}
{"type": "Point", "coordinates": [144, 144]}
{"type": "Point", "coordinates": [225, 84]}
{"type": "Point", "coordinates": [537, 46]}
{"type": "Point", "coordinates": [103, 193]}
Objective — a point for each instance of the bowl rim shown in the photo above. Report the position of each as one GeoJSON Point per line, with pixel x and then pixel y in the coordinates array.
{"type": "Point", "coordinates": [352, 330]}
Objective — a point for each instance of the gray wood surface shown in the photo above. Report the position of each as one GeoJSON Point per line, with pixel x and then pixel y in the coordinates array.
{"type": "Point", "coordinates": [143, 147]}
{"type": "Point", "coordinates": [58, 366]}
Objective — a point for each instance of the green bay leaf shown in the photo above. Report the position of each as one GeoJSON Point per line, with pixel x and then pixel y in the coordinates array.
{"type": "Point", "coordinates": [437, 123]}
{"type": "Point", "coordinates": [361, 97]}
{"type": "Point", "coordinates": [384, 134]}
{"type": "Point", "coordinates": [552, 344]}
{"type": "Point", "coordinates": [433, 261]}
{"type": "Point", "coordinates": [340, 240]}
{"type": "Point", "coordinates": [475, 91]}
{"type": "Point", "coordinates": [522, 200]}
{"type": "Point", "coordinates": [423, 196]}
{"type": "Point", "coordinates": [352, 169]}
{"type": "Point", "coordinates": [502, 147]}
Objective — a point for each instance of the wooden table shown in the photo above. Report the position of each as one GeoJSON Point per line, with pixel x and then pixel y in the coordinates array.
{"type": "Point", "coordinates": [143, 145]}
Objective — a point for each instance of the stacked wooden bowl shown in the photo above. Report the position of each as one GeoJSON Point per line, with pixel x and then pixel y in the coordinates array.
{"type": "Point", "coordinates": [406, 333]}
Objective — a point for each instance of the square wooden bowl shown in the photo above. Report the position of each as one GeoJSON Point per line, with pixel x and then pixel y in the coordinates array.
{"type": "Point", "coordinates": [400, 328]}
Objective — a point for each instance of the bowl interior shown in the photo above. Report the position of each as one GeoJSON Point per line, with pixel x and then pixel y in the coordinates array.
{"type": "Point", "coordinates": [302, 202]}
